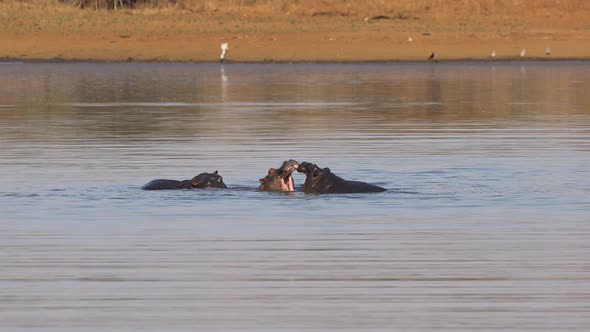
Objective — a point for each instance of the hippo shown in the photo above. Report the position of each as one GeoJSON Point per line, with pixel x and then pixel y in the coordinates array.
{"type": "Point", "coordinates": [280, 179]}
{"type": "Point", "coordinates": [203, 180]}
{"type": "Point", "coordinates": [323, 181]}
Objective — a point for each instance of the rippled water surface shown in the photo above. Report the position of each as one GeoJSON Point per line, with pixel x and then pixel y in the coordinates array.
{"type": "Point", "coordinates": [485, 224]}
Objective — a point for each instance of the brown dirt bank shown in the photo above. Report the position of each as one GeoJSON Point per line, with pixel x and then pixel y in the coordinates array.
{"type": "Point", "coordinates": [305, 33]}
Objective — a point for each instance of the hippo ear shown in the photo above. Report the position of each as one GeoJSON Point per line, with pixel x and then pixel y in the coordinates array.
{"type": "Point", "coordinates": [272, 172]}
{"type": "Point", "coordinates": [327, 170]}
{"type": "Point", "coordinates": [195, 182]}
{"type": "Point", "coordinates": [262, 180]}
{"type": "Point", "coordinates": [215, 173]}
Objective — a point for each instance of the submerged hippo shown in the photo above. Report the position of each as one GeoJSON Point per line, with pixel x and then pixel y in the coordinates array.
{"type": "Point", "coordinates": [323, 181]}
{"type": "Point", "coordinates": [280, 179]}
{"type": "Point", "coordinates": [203, 180]}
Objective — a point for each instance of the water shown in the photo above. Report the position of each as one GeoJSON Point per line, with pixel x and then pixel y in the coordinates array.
{"type": "Point", "coordinates": [484, 226]}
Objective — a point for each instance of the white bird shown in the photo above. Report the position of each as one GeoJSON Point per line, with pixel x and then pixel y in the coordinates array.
{"type": "Point", "coordinates": [493, 54]}
{"type": "Point", "coordinates": [522, 53]}
{"type": "Point", "coordinates": [224, 50]}
{"type": "Point", "coordinates": [410, 39]}
{"type": "Point", "coordinates": [547, 51]}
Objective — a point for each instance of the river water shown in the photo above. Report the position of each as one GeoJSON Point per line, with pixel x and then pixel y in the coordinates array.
{"type": "Point", "coordinates": [485, 224]}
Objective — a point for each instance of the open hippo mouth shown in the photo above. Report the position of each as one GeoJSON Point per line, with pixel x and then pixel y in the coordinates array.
{"type": "Point", "coordinates": [286, 171]}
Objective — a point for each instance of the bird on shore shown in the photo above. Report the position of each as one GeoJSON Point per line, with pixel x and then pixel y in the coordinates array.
{"type": "Point", "coordinates": [522, 53]}
{"type": "Point", "coordinates": [493, 54]}
{"type": "Point", "coordinates": [409, 39]}
{"type": "Point", "coordinates": [431, 57]}
{"type": "Point", "coordinates": [547, 51]}
{"type": "Point", "coordinates": [224, 50]}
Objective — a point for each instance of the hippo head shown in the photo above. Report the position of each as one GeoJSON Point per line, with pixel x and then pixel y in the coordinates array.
{"type": "Point", "coordinates": [312, 169]}
{"type": "Point", "coordinates": [315, 176]}
{"type": "Point", "coordinates": [208, 180]}
{"type": "Point", "coordinates": [280, 179]}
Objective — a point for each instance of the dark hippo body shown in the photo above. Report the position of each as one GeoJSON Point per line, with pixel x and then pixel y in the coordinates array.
{"type": "Point", "coordinates": [280, 179]}
{"type": "Point", "coordinates": [323, 181]}
{"type": "Point", "coordinates": [203, 180]}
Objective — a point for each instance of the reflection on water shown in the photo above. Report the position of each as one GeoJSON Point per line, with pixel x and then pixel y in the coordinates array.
{"type": "Point", "coordinates": [484, 225]}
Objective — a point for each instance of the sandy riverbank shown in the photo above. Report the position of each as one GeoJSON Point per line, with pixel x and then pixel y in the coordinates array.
{"type": "Point", "coordinates": [61, 32]}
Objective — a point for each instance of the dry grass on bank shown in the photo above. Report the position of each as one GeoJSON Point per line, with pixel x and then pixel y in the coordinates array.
{"type": "Point", "coordinates": [353, 8]}
{"type": "Point", "coordinates": [383, 7]}
{"type": "Point", "coordinates": [339, 7]}
{"type": "Point", "coordinates": [165, 17]}
{"type": "Point", "coordinates": [293, 30]}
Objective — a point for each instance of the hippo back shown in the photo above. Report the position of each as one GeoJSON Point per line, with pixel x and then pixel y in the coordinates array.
{"type": "Point", "coordinates": [165, 184]}
{"type": "Point", "coordinates": [351, 187]}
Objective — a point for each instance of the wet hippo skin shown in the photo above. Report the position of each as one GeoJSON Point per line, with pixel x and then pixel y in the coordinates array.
{"type": "Point", "coordinates": [203, 180]}
{"type": "Point", "coordinates": [323, 181]}
{"type": "Point", "coordinates": [280, 179]}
